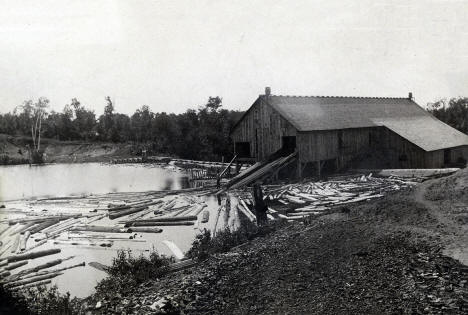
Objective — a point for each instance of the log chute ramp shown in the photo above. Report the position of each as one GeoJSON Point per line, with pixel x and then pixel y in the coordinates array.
{"type": "Point", "coordinates": [260, 170]}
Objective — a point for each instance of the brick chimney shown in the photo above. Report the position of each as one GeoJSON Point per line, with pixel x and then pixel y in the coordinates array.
{"type": "Point", "coordinates": [410, 96]}
{"type": "Point", "coordinates": [267, 91]}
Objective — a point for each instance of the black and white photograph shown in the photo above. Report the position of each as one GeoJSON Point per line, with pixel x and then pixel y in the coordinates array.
{"type": "Point", "coordinates": [233, 157]}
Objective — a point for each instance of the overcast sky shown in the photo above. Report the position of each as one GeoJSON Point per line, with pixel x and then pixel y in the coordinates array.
{"type": "Point", "coordinates": [172, 55]}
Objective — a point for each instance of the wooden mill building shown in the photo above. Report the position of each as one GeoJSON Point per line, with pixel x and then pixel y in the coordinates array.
{"type": "Point", "coordinates": [335, 133]}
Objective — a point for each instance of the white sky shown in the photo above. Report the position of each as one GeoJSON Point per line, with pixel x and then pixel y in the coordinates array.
{"type": "Point", "coordinates": [172, 55]}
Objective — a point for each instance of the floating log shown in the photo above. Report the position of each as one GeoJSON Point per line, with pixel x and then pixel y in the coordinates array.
{"type": "Point", "coordinates": [98, 266]}
{"type": "Point", "coordinates": [44, 266]}
{"type": "Point", "coordinates": [117, 214]}
{"type": "Point", "coordinates": [16, 265]}
{"type": "Point", "coordinates": [4, 230]}
{"type": "Point", "coordinates": [47, 272]}
{"type": "Point", "coordinates": [179, 210]}
{"type": "Point", "coordinates": [176, 223]}
{"type": "Point", "coordinates": [97, 228]}
{"type": "Point", "coordinates": [41, 226]}
{"type": "Point", "coordinates": [26, 220]}
{"type": "Point", "coordinates": [40, 219]}
{"type": "Point", "coordinates": [26, 227]}
{"type": "Point", "coordinates": [170, 219]}
{"type": "Point", "coordinates": [33, 255]}
{"type": "Point", "coordinates": [119, 208]}
{"type": "Point", "coordinates": [31, 280]}
{"type": "Point", "coordinates": [35, 246]}
{"type": "Point", "coordinates": [24, 240]}
{"type": "Point", "coordinates": [70, 242]}
{"type": "Point", "coordinates": [200, 208]}
{"type": "Point", "coordinates": [4, 274]}
{"type": "Point", "coordinates": [4, 250]}
{"type": "Point", "coordinates": [96, 218]}
{"type": "Point", "coordinates": [140, 215]}
{"type": "Point", "coordinates": [108, 238]}
{"type": "Point", "coordinates": [14, 246]}
{"type": "Point", "coordinates": [53, 229]}
{"type": "Point", "coordinates": [145, 229]}
{"type": "Point", "coordinates": [32, 285]}
{"type": "Point", "coordinates": [3, 262]}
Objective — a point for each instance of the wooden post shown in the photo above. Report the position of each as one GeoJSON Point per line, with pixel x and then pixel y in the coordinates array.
{"type": "Point", "coordinates": [299, 168]}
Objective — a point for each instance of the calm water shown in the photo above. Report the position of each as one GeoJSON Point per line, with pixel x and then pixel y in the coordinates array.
{"type": "Point", "coordinates": [23, 182]}
{"type": "Point", "coordinates": [55, 180]}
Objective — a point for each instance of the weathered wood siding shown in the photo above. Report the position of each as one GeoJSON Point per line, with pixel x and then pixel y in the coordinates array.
{"type": "Point", "coordinates": [459, 154]}
{"type": "Point", "coordinates": [263, 128]}
{"type": "Point", "coordinates": [326, 144]}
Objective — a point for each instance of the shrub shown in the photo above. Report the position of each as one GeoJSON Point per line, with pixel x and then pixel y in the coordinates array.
{"type": "Point", "coordinates": [205, 245]}
{"type": "Point", "coordinates": [39, 300]}
{"type": "Point", "coordinates": [127, 270]}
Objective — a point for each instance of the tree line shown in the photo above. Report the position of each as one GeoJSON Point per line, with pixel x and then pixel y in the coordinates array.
{"type": "Point", "coordinates": [194, 134]}
{"type": "Point", "coordinates": [453, 112]}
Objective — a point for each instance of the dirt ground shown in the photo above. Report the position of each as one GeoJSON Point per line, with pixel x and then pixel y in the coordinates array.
{"type": "Point", "coordinates": [64, 151]}
{"type": "Point", "coordinates": [405, 253]}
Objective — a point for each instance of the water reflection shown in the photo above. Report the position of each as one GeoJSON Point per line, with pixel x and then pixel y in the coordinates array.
{"type": "Point", "coordinates": [57, 180]}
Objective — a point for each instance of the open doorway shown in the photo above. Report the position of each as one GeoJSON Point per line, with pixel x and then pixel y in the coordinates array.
{"type": "Point", "coordinates": [242, 149]}
{"type": "Point", "coordinates": [288, 144]}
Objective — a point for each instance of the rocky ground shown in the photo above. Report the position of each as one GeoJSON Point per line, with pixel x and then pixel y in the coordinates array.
{"type": "Point", "coordinates": [401, 254]}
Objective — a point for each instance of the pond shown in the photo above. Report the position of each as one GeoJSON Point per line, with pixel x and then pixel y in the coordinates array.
{"type": "Point", "coordinates": [24, 192]}
{"type": "Point", "coordinates": [57, 180]}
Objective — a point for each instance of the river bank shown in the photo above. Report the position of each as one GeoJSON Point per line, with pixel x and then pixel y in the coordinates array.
{"type": "Point", "coordinates": [351, 244]}
{"type": "Point", "coordinates": [404, 253]}
{"type": "Point", "coordinates": [13, 150]}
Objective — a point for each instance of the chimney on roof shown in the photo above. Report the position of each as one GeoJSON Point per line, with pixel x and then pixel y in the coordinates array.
{"type": "Point", "coordinates": [267, 91]}
{"type": "Point", "coordinates": [410, 96]}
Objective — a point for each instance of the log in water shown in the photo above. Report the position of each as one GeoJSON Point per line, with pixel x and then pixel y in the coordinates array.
{"type": "Point", "coordinates": [145, 229]}
{"type": "Point", "coordinates": [37, 254]}
{"type": "Point", "coordinates": [138, 223]}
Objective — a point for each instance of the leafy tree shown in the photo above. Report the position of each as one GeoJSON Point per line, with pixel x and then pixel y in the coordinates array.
{"type": "Point", "coordinates": [84, 122]}
{"type": "Point", "coordinates": [195, 134]}
{"type": "Point", "coordinates": [453, 112]}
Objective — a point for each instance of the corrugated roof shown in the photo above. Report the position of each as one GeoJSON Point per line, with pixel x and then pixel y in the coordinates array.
{"type": "Point", "coordinates": [401, 115]}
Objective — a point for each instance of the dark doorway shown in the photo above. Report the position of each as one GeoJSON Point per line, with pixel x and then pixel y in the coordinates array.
{"type": "Point", "coordinates": [242, 149]}
{"type": "Point", "coordinates": [289, 144]}
{"type": "Point", "coordinates": [447, 155]}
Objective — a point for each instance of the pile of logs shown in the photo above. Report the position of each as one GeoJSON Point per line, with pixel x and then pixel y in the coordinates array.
{"type": "Point", "coordinates": [301, 200]}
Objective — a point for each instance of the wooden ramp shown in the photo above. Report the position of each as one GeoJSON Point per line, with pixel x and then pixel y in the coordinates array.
{"type": "Point", "coordinates": [259, 171]}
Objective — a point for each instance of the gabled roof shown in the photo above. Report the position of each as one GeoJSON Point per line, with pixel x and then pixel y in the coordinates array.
{"type": "Point", "coordinates": [401, 115]}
